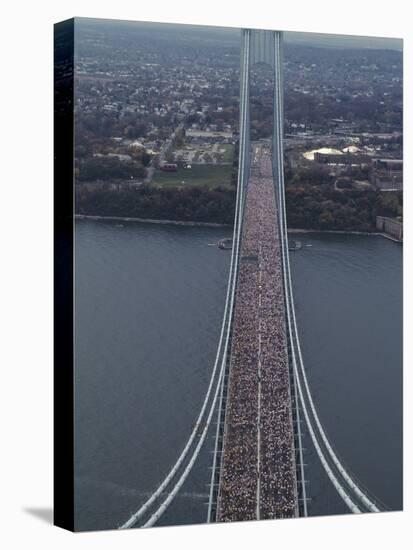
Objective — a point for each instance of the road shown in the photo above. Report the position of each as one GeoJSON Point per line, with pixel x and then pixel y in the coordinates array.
{"type": "Point", "coordinates": [162, 154]}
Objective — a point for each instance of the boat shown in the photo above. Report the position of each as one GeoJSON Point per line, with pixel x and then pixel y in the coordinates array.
{"type": "Point", "coordinates": [295, 245]}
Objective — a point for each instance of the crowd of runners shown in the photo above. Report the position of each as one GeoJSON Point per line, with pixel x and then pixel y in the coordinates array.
{"type": "Point", "coordinates": [258, 475]}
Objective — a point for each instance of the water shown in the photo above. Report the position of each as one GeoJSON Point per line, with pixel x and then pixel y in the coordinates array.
{"type": "Point", "coordinates": [149, 301]}
{"type": "Point", "coordinates": [348, 298]}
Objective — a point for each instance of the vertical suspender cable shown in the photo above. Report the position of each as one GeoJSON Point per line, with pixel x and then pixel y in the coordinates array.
{"type": "Point", "coordinates": [163, 507]}
{"type": "Point", "coordinates": [287, 281]}
{"type": "Point", "coordinates": [144, 508]}
{"type": "Point", "coordinates": [238, 220]}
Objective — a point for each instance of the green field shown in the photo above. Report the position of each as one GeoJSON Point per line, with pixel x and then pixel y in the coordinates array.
{"type": "Point", "coordinates": [200, 174]}
{"type": "Point", "coordinates": [228, 156]}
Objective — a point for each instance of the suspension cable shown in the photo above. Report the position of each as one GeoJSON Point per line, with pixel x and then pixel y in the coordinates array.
{"type": "Point", "coordinates": [241, 186]}
{"type": "Point", "coordinates": [163, 507]}
{"type": "Point", "coordinates": [284, 244]}
{"type": "Point", "coordinates": [136, 516]}
{"type": "Point", "coordinates": [365, 500]}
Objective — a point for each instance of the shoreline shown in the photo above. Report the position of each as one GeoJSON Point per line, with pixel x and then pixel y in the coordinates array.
{"type": "Point", "coordinates": [149, 220]}
{"type": "Point", "coordinates": [334, 231]}
{"type": "Point", "coordinates": [211, 224]}
{"type": "Point", "coordinates": [338, 232]}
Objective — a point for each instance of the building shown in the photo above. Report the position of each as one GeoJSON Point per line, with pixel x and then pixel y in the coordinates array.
{"type": "Point", "coordinates": [169, 167]}
{"type": "Point", "coordinates": [390, 226]}
{"type": "Point", "coordinates": [324, 153]}
{"type": "Point", "coordinates": [387, 174]}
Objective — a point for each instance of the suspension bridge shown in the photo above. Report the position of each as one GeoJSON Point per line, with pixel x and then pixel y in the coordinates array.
{"type": "Point", "coordinates": [258, 397]}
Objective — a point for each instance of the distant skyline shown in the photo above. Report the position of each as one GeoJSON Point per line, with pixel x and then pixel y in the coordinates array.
{"type": "Point", "coordinates": [291, 37]}
{"type": "Point", "coordinates": [344, 41]}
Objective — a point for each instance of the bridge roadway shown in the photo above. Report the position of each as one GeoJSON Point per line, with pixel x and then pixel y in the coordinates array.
{"type": "Point", "coordinates": [254, 472]}
{"type": "Point", "coordinates": [258, 470]}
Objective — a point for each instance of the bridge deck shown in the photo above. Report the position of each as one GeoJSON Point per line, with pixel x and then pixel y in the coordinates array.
{"type": "Point", "coordinates": [258, 471]}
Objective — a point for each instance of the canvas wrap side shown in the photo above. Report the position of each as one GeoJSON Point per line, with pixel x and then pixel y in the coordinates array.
{"type": "Point", "coordinates": [63, 275]}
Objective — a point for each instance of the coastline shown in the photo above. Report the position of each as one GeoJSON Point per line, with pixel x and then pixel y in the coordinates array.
{"type": "Point", "coordinates": [211, 224]}
{"type": "Point", "coordinates": [334, 231]}
{"type": "Point", "coordinates": [337, 232]}
{"type": "Point", "coordinates": [149, 220]}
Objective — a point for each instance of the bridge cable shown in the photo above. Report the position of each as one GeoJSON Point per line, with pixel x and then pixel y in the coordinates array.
{"type": "Point", "coordinates": [241, 186]}
{"type": "Point", "coordinates": [366, 501]}
{"type": "Point", "coordinates": [229, 297]}
{"type": "Point", "coordinates": [163, 507]}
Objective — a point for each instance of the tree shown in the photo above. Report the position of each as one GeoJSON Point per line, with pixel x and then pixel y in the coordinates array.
{"type": "Point", "coordinates": [325, 219]}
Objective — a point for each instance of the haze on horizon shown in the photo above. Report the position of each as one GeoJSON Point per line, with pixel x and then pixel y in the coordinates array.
{"type": "Point", "coordinates": [227, 34]}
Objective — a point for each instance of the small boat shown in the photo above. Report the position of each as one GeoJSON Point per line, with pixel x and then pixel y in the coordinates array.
{"type": "Point", "coordinates": [225, 244]}
{"type": "Point", "coordinates": [295, 245]}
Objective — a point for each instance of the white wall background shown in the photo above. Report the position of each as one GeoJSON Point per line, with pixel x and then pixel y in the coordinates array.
{"type": "Point", "coordinates": [26, 271]}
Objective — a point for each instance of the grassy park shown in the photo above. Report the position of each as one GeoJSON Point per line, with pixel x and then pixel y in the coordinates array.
{"type": "Point", "coordinates": [208, 175]}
